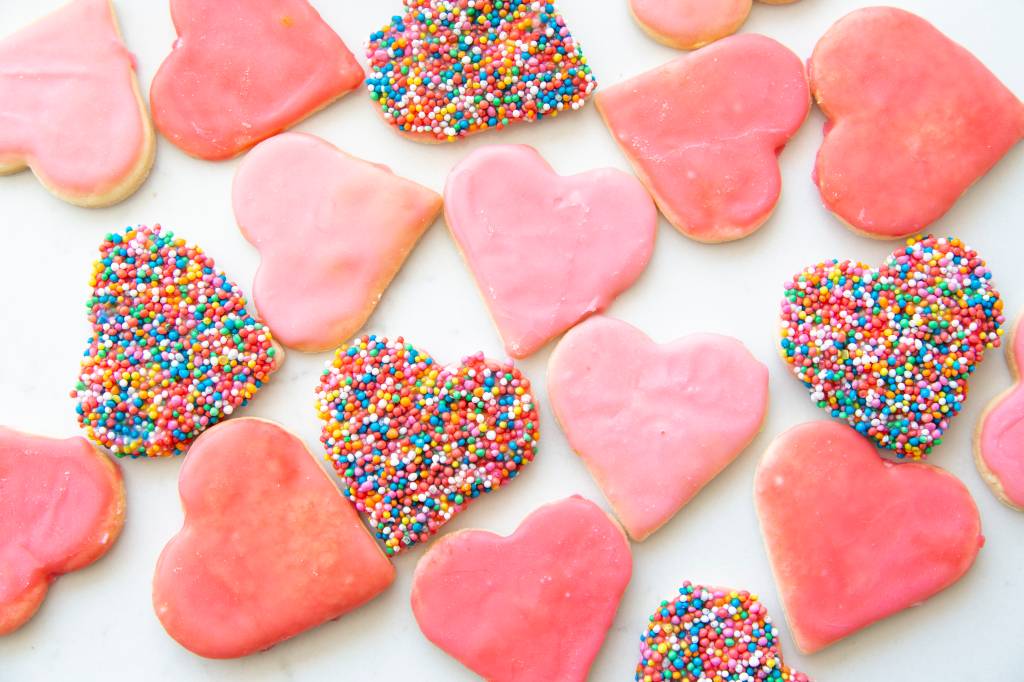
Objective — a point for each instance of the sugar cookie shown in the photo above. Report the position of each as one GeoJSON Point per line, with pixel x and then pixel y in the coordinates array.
{"type": "Point", "coordinates": [654, 424]}
{"type": "Point", "coordinates": [269, 547]}
{"type": "Point", "coordinates": [711, 160]}
{"type": "Point", "coordinates": [999, 438]}
{"type": "Point", "coordinates": [416, 442]}
{"type": "Point", "coordinates": [546, 250]}
{"type": "Point", "coordinates": [891, 350]}
{"type": "Point", "coordinates": [535, 605]}
{"type": "Point", "coordinates": [71, 107]}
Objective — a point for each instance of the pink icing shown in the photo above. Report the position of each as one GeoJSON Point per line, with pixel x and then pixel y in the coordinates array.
{"type": "Point", "coordinates": [269, 547]}
{"type": "Point", "coordinates": [853, 538]}
{"type": "Point", "coordinates": [654, 424]}
{"type": "Point", "coordinates": [561, 249]}
{"type": "Point", "coordinates": [704, 131]}
{"type": "Point", "coordinates": [690, 23]}
{"type": "Point", "coordinates": [332, 231]}
{"type": "Point", "coordinates": [535, 605]}
{"type": "Point", "coordinates": [61, 508]}
{"type": "Point", "coordinates": [69, 107]}
{"type": "Point", "coordinates": [1001, 440]}
{"type": "Point", "coordinates": [915, 119]}
{"type": "Point", "coordinates": [243, 70]}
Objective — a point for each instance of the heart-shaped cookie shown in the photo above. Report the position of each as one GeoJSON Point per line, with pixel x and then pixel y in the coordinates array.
{"type": "Point", "coordinates": [61, 508]}
{"type": "Point", "coordinates": [332, 231]}
{"type": "Point", "coordinates": [71, 108]}
{"type": "Point", "coordinates": [999, 439]}
{"type": "Point", "coordinates": [654, 424]}
{"type": "Point", "coordinates": [890, 350]}
{"type": "Point", "coordinates": [853, 538]}
{"type": "Point", "coordinates": [535, 605]}
{"type": "Point", "coordinates": [546, 250]}
{"type": "Point", "coordinates": [689, 24]}
{"type": "Point", "coordinates": [711, 633]}
{"type": "Point", "coordinates": [416, 442]}
{"type": "Point", "coordinates": [173, 349]}
{"type": "Point", "coordinates": [243, 70]}
{"type": "Point", "coordinates": [445, 69]}
{"type": "Point", "coordinates": [269, 547]}
{"type": "Point", "coordinates": [914, 121]}
{"type": "Point", "coordinates": [704, 131]}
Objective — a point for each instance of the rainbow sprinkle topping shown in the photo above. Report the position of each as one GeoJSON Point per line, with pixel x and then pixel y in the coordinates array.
{"type": "Point", "coordinates": [450, 68]}
{"type": "Point", "coordinates": [715, 635]}
{"type": "Point", "coordinates": [416, 442]}
{"type": "Point", "coordinates": [173, 350]}
{"type": "Point", "coordinates": [890, 350]}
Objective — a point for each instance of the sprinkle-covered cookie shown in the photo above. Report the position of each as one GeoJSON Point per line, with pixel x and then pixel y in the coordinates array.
{"type": "Point", "coordinates": [415, 441]}
{"type": "Point", "coordinates": [890, 350]}
{"type": "Point", "coordinates": [709, 633]}
{"type": "Point", "coordinates": [450, 68]}
{"type": "Point", "coordinates": [173, 350]}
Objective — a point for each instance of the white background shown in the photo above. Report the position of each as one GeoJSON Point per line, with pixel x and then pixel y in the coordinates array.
{"type": "Point", "coordinates": [98, 623]}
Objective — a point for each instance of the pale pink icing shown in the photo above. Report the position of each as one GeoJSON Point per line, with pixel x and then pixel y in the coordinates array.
{"type": "Point", "coordinates": [243, 70]}
{"type": "Point", "coordinates": [68, 103]}
{"type": "Point", "coordinates": [546, 250]}
{"type": "Point", "coordinates": [704, 131]}
{"type": "Point", "coordinates": [332, 231]}
{"type": "Point", "coordinates": [1001, 441]}
{"type": "Point", "coordinates": [915, 120]}
{"type": "Point", "coordinates": [853, 538]}
{"type": "Point", "coordinates": [61, 508]}
{"type": "Point", "coordinates": [269, 547]}
{"type": "Point", "coordinates": [654, 424]}
{"type": "Point", "coordinates": [535, 605]}
{"type": "Point", "coordinates": [690, 23]}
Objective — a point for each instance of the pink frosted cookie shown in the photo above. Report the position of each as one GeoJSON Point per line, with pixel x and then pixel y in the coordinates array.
{"type": "Point", "coordinates": [999, 439]}
{"type": "Point", "coordinates": [70, 107]}
{"type": "Point", "coordinates": [61, 508]}
{"type": "Point", "coordinates": [689, 24]}
{"type": "Point", "coordinates": [269, 548]}
{"type": "Point", "coordinates": [704, 132]}
{"type": "Point", "coordinates": [914, 121]}
{"type": "Point", "coordinates": [332, 231]}
{"type": "Point", "coordinates": [546, 250]}
{"type": "Point", "coordinates": [243, 70]}
{"type": "Point", "coordinates": [654, 424]}
{"type": "Point", "coordinates": [853, 538]}
{"type": "Point", "coordinates": [535, 605]}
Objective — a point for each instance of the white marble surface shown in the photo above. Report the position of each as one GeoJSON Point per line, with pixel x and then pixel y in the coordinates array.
{"type": "Point", "coordinates": [98, 624]}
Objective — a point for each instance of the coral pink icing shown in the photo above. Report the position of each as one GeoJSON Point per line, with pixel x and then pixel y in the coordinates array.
{"type": "Point", "coordinates": [704, 131]}
{"type": "Point", "coordinates": [332, 231]}
{"type": "Point", "coordinates": [535, 605]}
{"type": "Point", "coordinates": [68, 103]}
{"type": "Point", "coordinates": [269, 547]}
{"type": "Point", "coordinates": [61, 508]}
{"type": "Point", "coordinates": [654, 424]}
{"type": "Point", "coordinates": [853, 538]}
{"type": "Point", "coordinates": [690, 23]}
{"type": "Point", "coordinates": [546, 250]}
{"type": "Point", "coordinates": [915, 119]}
{"type": "Point", "coordinates": [243, 70]}
{"type": "Point", "coordinates": [1001, 437]}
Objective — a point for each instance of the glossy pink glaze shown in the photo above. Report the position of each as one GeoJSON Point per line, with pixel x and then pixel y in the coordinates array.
{"type": "Point", "coordinates": [854, 538]}
{"type": "Point", "coordinates": [546, 250]}
{"type": "Point", "coordinates": [689, 24]}
{"type": "Point", "coordinates": [915, 120]}
{"type": "Point", "coordinates": [243, 70]}
{"type": "Point", "coordinates": [1001, 435]}
{"type": "Point", "coordinates": [269, 548]}
{"type": "Point", "coordinates": [68, 104]}
{"type": "Point", "coordinates": [61, 508]}
{"type": "Point", "coordinates": [704, 131]}
{"type": "Point", "coordinates": [332, 231]}
{"type": "Point", "coordinates": [535, 605]}
{"type": "Point", "coordinates": [654, 424]}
